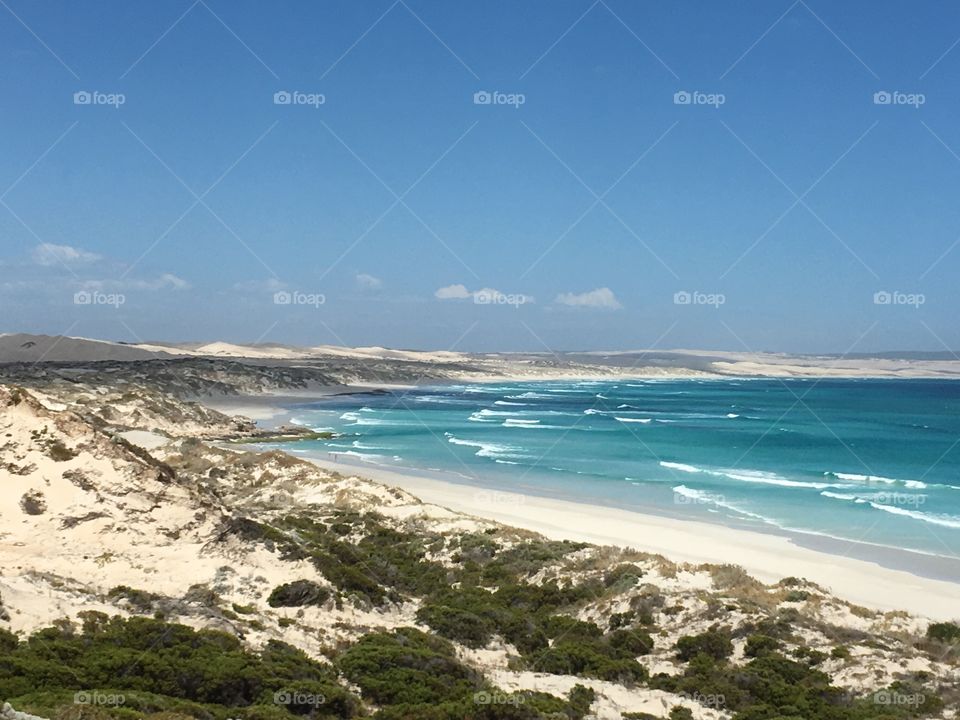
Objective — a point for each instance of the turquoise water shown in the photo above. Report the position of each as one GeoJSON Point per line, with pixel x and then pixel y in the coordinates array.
{"type": "Point", "coordinates": [873, 462]}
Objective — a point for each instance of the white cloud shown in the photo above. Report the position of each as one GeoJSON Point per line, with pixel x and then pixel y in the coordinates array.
{"type": "Point", "coordinates": [599, 298]}
{"type": "Point", "coordinates": [368, 282]}
{"type": "Point", "coordinates": [452, 292]}
{"type": "Point", "coordinates": [483, 296]}
{"type": "Point", "coordinates": [48, 254]}
{"type": "Point", "coordinates": [167, 281]}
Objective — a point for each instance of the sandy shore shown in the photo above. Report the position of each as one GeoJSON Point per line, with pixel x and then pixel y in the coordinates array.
{"type": "Point", "coordinates": [766, 557]}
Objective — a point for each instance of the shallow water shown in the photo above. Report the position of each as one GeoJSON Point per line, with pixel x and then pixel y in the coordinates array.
{"type": "Point", "coordinates": [874, 462]}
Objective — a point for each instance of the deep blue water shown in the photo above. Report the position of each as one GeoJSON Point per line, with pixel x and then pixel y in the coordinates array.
{"type": "Point", "coordinates": [870, 461]}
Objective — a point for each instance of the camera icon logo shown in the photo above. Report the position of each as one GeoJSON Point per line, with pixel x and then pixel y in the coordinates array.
{"type": "Point", "coordinates": [82, 97]}
{"type": "Point", "coordinates": [882, 297]}
{"type": "Point", "coordinates": [682, 298]}
{"type": "Point", "coordinates": [482, 97]}
{"type": "Point", "coordinates": [682, 97]}
{"type": "Point", "coordinates": [282, 297]}
{"type": "Point", "coordinates": [882, 97]}
{"type": "Point", "coordinates": [282, 97]}
{"type": "Point", "coordinates": [82, 297]}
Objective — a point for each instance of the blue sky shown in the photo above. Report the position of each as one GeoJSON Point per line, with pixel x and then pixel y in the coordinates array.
{"type": "Point", "coordinates": [594, 209]}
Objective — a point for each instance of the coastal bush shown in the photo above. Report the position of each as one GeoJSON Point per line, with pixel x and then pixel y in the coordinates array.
{"type": "Point", "coordinates": [297, 594]}
{"type": "Point", "coordinates": [527, 559]}
{"type": "Point", "coordinates": [774, 687]}
{"type": "Point", "coordinates": [946, 632]}
{"type": "Point", "coordinates": [618, 620]}
{"type": "Point", "coordinates": [159, 666]}
{"type": "Point", "coordinates": [140, 600]}
{"type": "Point", "coordinates": [380, 565]}
{"type": "Point", "coordinates": [810, 656]}
{"type": "Point", "coordinates": [759, 644]}
{"type": "Point", "coordinates": [59, 452]}
{"type": "Point", "coordinates": [840, 652]}
{"type": "Point", "coordinates": [408, 667]}
{"type": "Point", "coordinates": [595, 659]}
{"type": "Point", "coordinates": [457, 624]}
{"type": "Point", "coordinates": [478, 549]}
{"type": "Point", "coordinates": [634, 642]}
{"type": "Point", "coordinates": [580, 698]}
{"type": "Point", "coordinates": [568, 628]}
{"type": "Point", "coordinates": [714, 643]}
{"type": "Point", "coordinates": [33, 503]}
{"type": "Point", "coordinates": [622, 577]}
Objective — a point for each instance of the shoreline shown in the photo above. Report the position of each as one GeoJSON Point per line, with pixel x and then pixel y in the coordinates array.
{"type": "Point", "coordinates": [767, 557]}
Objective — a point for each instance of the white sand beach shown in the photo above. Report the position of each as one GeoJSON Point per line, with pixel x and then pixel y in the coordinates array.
{"type": "Point", "coordinates": [767, 557]}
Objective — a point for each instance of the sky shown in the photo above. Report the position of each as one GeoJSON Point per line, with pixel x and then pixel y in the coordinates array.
{"type": "Point", "coordinates": [521, 175]}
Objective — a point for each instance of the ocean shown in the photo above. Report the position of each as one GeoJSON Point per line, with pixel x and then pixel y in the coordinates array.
{"type": "Point", "coordinates": [866, 463]}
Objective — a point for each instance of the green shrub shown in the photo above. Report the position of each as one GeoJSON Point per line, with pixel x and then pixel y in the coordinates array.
{"type": "Point", "coordinates": [141, 600]}
{"type": "Point", "coordinates": [633, 642]}
{"type": "Point", "coordinates": [567, 628]}
{"type": "Point", "coordinates": [946, 632]}
{"type": "Point", "coordinates": [456, 624]}
{"type": "Point", "coordinates": [60, 452]}
{"type": "Point", "coordinates": [297, 594]}
{"type": "Point", "coordinates": [158, 667]}
{"type": "Point", "coordinates": [759, 644]}
{"type": "Point", "coordinates": [810, 656]}
{"type": "Point", "coordinates": [595, 660]}
{"type": "Point", "coordinates": [408, 667]}
{"type": "Point", "coordinates": [713, 643]}
{"type": "Point", "coordinates": [580, 698]}
{"type": "Point", "coordinates": [623, 576]}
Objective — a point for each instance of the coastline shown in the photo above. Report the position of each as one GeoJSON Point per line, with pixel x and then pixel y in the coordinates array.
{"type": "Point", "coordinates": [767, 557]}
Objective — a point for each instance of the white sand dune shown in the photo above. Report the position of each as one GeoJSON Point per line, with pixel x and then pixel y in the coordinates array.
{"type": "Point", "coordinates": [498, 366]}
